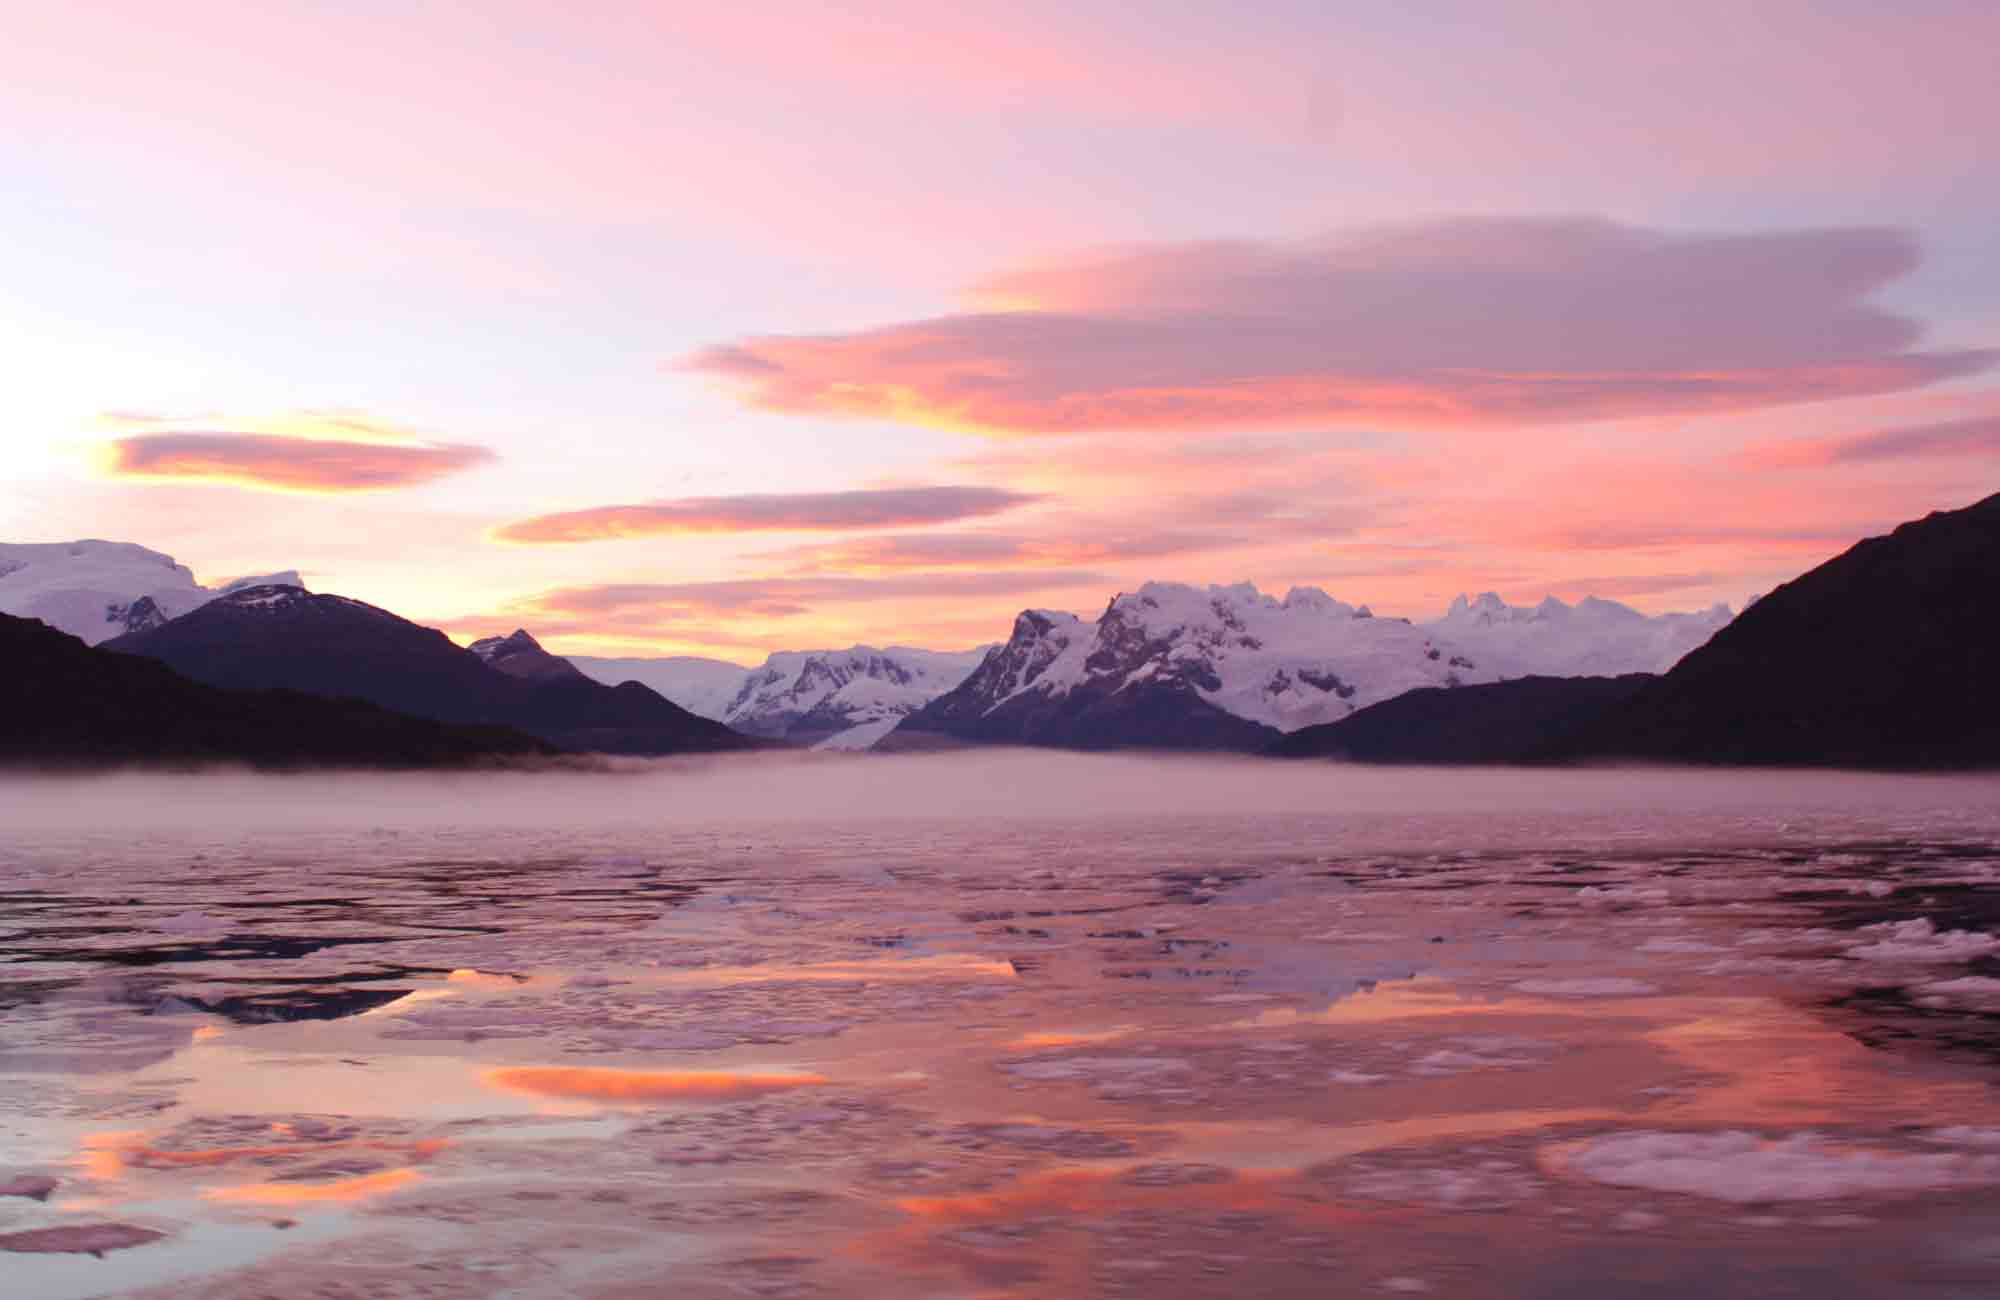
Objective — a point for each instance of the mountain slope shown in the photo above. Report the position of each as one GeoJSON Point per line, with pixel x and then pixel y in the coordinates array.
{"type": "Point", "coordinates": [841, 699]}
{"type": "Point", "coordinates": [96, 590]}
{"type": "Point", "coordinates": [704, 687]}
{"type": "Point", "coordinates": [520, 655]}
{"type": "Point", "coordinates": [63, 702]}
{"type": "Point", "coordinates": [810, 697]}
{"type": "Point", "coordinates": [1887, 655]}
{"type": "Point", "coordinates": [1514, 721]}
{"type": "Point", "coordinates": [1592, 638]}
{"type": "Point", "coordinates": [1161, 660]}
{"type": "Point", "coordinates": [1173, 666]}
{"type": "Point", "coordinates": [282, 637]}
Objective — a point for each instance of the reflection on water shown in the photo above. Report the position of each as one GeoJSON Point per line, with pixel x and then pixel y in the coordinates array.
{"type": "Point", "coordinates": [1633, 1036]}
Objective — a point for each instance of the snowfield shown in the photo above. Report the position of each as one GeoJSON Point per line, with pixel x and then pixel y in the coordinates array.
{"type": "Point", "coordinates": [97, 590]}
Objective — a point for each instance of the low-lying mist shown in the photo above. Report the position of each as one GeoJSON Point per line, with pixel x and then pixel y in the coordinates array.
{"type": "Point", "coordinates": [1004, 784]}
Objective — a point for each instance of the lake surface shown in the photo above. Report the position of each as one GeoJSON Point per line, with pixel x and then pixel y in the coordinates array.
{"type": "Point", "coordinates": [1000, 1025]}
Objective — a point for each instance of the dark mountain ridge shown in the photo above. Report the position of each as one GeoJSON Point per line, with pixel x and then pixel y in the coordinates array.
{"type": "Point", "coordinates": [1516, 721]}
{"type": "Point", "coordinates": [62, 702]}
{"type": "Point", "coordinates": [1886, 656]}
{"type": "Point", "coordinates": [274, 637]}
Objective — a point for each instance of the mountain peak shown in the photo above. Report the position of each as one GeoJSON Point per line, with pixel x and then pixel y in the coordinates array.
{"type": "Point", "coordinates": [95, 590]}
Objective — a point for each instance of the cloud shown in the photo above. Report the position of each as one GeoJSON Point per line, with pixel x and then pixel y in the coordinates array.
{"type": "Point", "coordinates": [769, 512]}
{"type": "Point", "coordinates": [1459, 323]}
{"type": "Point", "coordinates": [1974, 436]}
{"type": "Point", "coordinates": [1063, 545]}
{"type": "Point", "coordinates": [283, 464]}
{"type": "Point", "coordinates": [785, 597]}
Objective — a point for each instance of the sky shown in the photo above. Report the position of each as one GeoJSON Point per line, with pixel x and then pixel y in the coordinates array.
{"type": "Point", "coordinates": [692, 329]}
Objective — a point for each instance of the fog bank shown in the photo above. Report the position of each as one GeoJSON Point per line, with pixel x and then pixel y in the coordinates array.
{"type": "Point", "coordinates": [1004, 784]}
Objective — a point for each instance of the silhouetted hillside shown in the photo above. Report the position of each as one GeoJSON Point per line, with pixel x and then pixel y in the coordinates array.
{"type": "Point", "coordinates": [284, 638]}
{"type": "Point", "coordinates": [63, 702]}
{"type": "Point", "coordinates": [1885, 656]}
{"type": "Point", "coordinates": [1496, 722]}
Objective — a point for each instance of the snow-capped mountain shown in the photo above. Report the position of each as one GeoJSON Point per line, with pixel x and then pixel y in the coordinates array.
{"type": "Point", "coordinates": [520, 655]}
{"type": "Point", "coordinates": [285, 638]}
{"type": "Point", "coordinates": [701, 686]}
{"type": "Point", "coordinates": [1230, 667]}
{"type": "Point", "coordinates": [1592, 638]}
{"type": "Point", "coordinates": [833, 699]}
{"type": "Point", "coordinates": [844, 699]}
{"type": "Point", "coordinates": [96, 590]}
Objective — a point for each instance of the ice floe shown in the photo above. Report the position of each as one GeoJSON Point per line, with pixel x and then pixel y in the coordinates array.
{"type": "Point", "coordinates": [1747, 1168]}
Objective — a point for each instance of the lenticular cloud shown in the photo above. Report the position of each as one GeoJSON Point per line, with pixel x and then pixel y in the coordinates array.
{"type": "Point", "coordinates": [1488, 323]}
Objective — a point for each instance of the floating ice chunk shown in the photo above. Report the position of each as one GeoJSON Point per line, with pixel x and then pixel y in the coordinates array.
{"type": "Point", "coordinates": [1608, 987]}
{"type": "Point", "coordinates": [1354, 1078]}
{"type": "Point", "coordinates": [191, 923]}
{"type": "Point", "coordinates": [1969, 993]}
{"type": "Point", "coordinates": [1677, 946]}
{"type": "Point", "coordinates": [1478, 1188]}
{"type": "Point", "coordinates": [35, 1187]}
{"type": "Point", "coordinates": [1096, 1068]}
{"type": "Point", "coordinates": [1745, 1168]}
{"type": "Point", "coordinates": [1920, 941]}
{"type": "Point", "coordinates": [78, 1239]}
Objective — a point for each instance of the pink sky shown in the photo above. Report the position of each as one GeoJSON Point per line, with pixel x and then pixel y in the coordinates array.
{"type": "Point", "coordinates": [697, 329]}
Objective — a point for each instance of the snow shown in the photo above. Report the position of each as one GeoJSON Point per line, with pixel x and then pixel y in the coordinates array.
{"type": "Point", "coordinates": [701, 686]}
{"type": "Point", "coordinates": [1592, 638]}
{"type": "Point", "coordinates": [1746, 1168]}
{"type": "Point", "coordinates": [863, 736]}
{"type": "Point", "coordinates": [1310, 658]}
{"type": "Point", "coordinates": [94, 590]}
{"type": "Point", "coordinates": [859, 693]}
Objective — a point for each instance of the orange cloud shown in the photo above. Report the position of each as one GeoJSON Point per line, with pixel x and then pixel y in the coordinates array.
{"type": "Point", "coordinates": [1062, 545]}
{"type": "Point", "coordinates": [283, 464]}
{"type": "Point", "coordinates": [1471, 323]}
{"type": "Point", "coordinates": [593, 1084]}
{"type": "Point", "coordinates": [782, 597]}
{"type": "Point", "coordinates": [772, 512]}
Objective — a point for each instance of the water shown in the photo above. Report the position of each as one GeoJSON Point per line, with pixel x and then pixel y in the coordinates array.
{"type": "Point", "coordinates": [1002, 1025]}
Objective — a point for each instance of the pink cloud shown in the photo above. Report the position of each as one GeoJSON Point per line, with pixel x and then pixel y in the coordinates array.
{"type": "Point", "coordinates": [259, 460]}
{"type": "Point", "coordinates": [1481, 323]}
{"type": "Point", "coordinates": [785, 597]}
{"type": "Point", "coordinates": [1061, 545]}
{"type": "Point", "coordinates": [769, 513]}
{"type": "Point", "coordinates": [1975, 436]}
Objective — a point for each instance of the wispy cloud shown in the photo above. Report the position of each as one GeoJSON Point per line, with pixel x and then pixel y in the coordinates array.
{"type": "Point", "coordinates": [785, 597]}
{"type": "Point", "coordinates": [1974, 436]}
{"type": "Point", "coordinates": [1489, 322]}
{"type": "Point", "coordinates": [1064, 544]}
{"type": "Point", "coordinates": [769, 513]}
{"type": "Point", "coordinates": [276, 463]}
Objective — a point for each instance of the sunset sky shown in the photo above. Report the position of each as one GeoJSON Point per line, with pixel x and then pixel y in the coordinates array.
{"type": "Point", "coordinates": [676, 328]}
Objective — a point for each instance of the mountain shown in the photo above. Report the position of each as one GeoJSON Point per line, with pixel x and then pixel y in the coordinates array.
{"type": "Point", "coordinates": [97, 590]}
{"type": "Point", "coordinates": [832, 699]}
{"type": "Point", "coordinates": [1513, 721]}
{"type": "Point", "coordinates": [1887, 655]}
{"type": "Point", "coordinates": [262, 638]}
{"type": "Point", "coordinates": [1592, 638]}
{"type": "Point", "coordinates": [844, 699]}
{"type": "Point", "coordinates": [63, 702]}
{"type": "Point", "coordinates": [520, 655]}
{"type": "Point", "coordinates": [1176, 666]}
{"type": "Point", "coordinates": [703, 687]}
